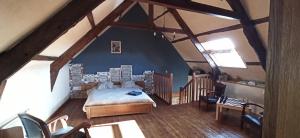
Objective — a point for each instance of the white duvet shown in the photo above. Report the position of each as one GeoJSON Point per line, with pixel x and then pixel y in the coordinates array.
{"type": "Point", "coordinates": [115, 96]}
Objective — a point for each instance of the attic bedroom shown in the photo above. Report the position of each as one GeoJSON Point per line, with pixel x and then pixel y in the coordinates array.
{"type": "Point", "coordinates": [149, 68]}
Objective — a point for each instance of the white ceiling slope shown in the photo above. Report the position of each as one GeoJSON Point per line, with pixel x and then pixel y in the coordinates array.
{"type": "Point", "coordinates": [201, 23]}
{"type": "Point", "coordinates": [21, 17]}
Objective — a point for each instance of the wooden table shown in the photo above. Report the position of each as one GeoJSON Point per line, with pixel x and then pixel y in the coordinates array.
{"type": "Point", "coordinates": [231, 103]}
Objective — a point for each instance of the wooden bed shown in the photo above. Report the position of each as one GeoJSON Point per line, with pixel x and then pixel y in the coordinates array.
{"type": "Point", "coordinates": [118, 109]}
{"type": "Point", "coordinates": [162, 89]}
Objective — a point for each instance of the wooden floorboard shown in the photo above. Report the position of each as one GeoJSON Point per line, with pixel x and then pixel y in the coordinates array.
{"type": "Point", "coordinates": [176, 121]}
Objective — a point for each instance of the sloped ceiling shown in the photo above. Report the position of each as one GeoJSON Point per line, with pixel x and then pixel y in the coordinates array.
{"type": "Point", "coordinates": [202, 23]}
{"type": "Point", "coordinates": [21, 17]}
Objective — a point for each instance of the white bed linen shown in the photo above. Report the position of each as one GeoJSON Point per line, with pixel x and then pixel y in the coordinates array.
{"type": "Point", "coordinates": [115, 96]}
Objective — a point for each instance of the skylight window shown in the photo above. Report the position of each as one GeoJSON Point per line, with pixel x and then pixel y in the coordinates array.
{"type": "Point", "coordinates": [223, 52]}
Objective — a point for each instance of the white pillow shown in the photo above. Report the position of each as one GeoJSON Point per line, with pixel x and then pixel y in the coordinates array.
{"type": "Point", "coordinates": [109, 85]}
{"type": "Point", "coordinates": [128, 84]}
{"type": "Point", "coordinates": [102, 85]}
{"type": "Point", "coordinates": [106, 85]}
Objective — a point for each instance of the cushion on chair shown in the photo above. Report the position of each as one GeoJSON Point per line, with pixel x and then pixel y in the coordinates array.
{"type": "Point", "coordinates": [58, 133]}
{"type": "Point", "coordinates": [252, 119]}
{"type": "Point", "coordinates": [32, 129]}
{"type": "Point", "coordinates": [212, 100]}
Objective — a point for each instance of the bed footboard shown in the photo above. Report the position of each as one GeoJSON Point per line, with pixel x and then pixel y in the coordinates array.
{"type": "Point", "coordinates": [118, 109]}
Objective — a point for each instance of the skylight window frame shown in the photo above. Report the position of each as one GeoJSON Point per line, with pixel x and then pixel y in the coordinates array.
{"type": "Point", "coordinates": [213, 46]}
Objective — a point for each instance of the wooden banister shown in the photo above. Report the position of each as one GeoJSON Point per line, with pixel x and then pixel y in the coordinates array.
{"type": "Point", "coordinates": [163, 86]}
{"type": "Point", "coordinates": [196, 87]}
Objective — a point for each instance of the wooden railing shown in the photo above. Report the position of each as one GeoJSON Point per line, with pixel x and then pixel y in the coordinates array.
{"type": "Point", "coordinates": [163, 86]}
{"type": "Point", "coordinates": [186, 92]}
{"type": "Point", "coordinates": [194, 88]}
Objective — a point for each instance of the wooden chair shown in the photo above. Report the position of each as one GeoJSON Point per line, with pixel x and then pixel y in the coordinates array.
{"type": "Point", "coordinates": [210, 96]}
{"type": "Point", "coordinates": [36, 128]}
{"type": "Point", "coordinates": [251, 118]}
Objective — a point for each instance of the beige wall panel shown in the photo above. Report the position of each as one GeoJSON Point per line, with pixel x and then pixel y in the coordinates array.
{"type": "Point", "coordinates": [188, 51]}
{"type": "Point", "coordinates": [203, 66]}
{"type": "Point", "coordinates": [201, 23]}
{"type": "Point", "coordinates": [158, 10]}
{"type": "Point", "coordinates": [257, 8]}
{"type": "Point", "coordinates": [217, 3]}
{"type": "Point", "coordinates": [250, 73]}
{"type": "Point", "coordinates": [20, 17]}
{"type": "Point", "coordinates": [145, 7]}
{"type": "Point", "coordinates": [104, 9]}
{"type": "Point", "coordinates": [168, 20]}
{"type": "Point", "coordinates": [241, 43]}
{"type": "Point", "coordinates": [263, 31]}
{"type": "Point", "coordinates": [29, 88]}
{"type": "Point", "coordinates": [63, 43]}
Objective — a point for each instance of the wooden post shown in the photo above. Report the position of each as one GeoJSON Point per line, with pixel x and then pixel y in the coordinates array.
{"type": "Point", "coordinates": [180, 95]}
{"type": "Point", "coordinates": [171, 88]}
{"type": "Point", "coordinates": [194, 86]}
{"type": "Point", "coordinates": [281, 115]}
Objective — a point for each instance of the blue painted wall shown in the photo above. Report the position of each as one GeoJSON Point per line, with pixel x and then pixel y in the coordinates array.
{"type": "Point", "coordinates": [139, 48]}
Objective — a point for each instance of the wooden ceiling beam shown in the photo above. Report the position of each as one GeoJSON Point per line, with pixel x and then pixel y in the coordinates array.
{"type": "Point", "coordinates": [21, 53]}
{"type": "Point", "coordinates": [250, 31]}
{"type": "Point", "coordinates": [194, 7]}
{"type": "Point", "coordinates": [85, 40]}
{"type": "Point", "coordinates": [146, 27]}
{"type": "Point", "coordinates": [253, 63]}
{"type": "Point", "coordinates": [150, 14]}
{"type": "Point", "coordinates": [91, 19]}
{"type": "Point", "coordinates": [224, 29]}
{"type": "Point", "coordinates": [195, 41]}
{"type": "Point", "coordinates": [205, 62]}
{"type": "Point", "coordinates": [162, 14]}
{"type": "Point", "coordinates": [2, 87]}
{"type": "Point", "coordinates": [44, 58]}
{"type": "Point", "coordinates": [194, 61]}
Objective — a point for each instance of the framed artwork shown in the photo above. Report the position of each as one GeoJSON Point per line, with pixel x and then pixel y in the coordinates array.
{"type": "Point", "coordinates": [115, 47]}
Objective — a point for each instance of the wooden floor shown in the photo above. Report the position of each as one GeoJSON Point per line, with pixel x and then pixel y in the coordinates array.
{"type": "Point", "coordinates": [176, 121]}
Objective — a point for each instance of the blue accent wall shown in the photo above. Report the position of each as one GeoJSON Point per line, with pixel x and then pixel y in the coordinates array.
{"type": "Point", "coordinates": [139, 48]}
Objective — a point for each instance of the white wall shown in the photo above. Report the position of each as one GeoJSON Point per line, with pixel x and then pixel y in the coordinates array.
{"type": "Point", "coordinates": [29, 88]}
{"type": "Point", "coordinates": [253, 94]}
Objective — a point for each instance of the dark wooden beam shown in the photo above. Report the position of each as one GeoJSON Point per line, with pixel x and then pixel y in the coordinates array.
{"type": "Point", "coordinates": [85, 40]}
{"type": "Point", "coordinates": [253, 63]}
{"type": "Point", "coordinates": [162, 14]}
{"type": "Point", "coordinates": [194, 7]}
{"type": "Point", "coordinates": [195, 42]}
{"type": "Point", "coordinates": [150, 14]}
{"type": "Point", "coordinates": [2, 87]}
{"type": "Point", "coordinates": [261, 20]}
{"type": "Point", "coordinates": [193, 61]}
{"type": "Point", "coordinates": [250, 31]}
{"type": "Point", "coordinates": [91, 19]}
{"type": "Point", "coordinates": [225, 29]}
{"type": "Point", "coordinates": [21, 53]}
{"type": "Point", "coordinates": [146, 27]}
{"type": "Point", "coordinates": [44, 58]}
{"type": "Point", "coordinates": [205, 62]}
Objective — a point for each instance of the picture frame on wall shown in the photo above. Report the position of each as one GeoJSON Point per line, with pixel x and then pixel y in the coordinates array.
{"type": "Point", "coordinates": [116, 47]}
